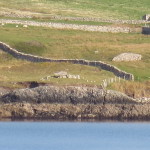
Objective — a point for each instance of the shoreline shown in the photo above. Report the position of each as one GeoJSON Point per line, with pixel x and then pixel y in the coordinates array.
{"type": "Point", "coordinates": [71, 103]}
{"type": "Point", "coordinates": [33, 120]}
{"type": "Point", "coordinates": [70, 112]}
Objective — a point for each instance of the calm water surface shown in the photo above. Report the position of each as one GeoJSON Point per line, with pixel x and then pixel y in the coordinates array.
{"type": "Point", "coordinates": [74, 136]}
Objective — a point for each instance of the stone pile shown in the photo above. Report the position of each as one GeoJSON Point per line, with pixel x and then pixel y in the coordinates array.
{"type": "Point", "coordinates": [63, 74]}
{"type": "Point", "coordinates": [127, 57]}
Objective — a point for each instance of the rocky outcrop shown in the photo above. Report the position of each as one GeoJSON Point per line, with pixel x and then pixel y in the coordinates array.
{"type": "Point", "coordinates": [99, 64]}
{"type": "Point", "coordinates": [67, 94]}
{"type": "Point", "coordinates": [77, 112]}
{"type": "Point", "coordinates": [4, 91]}
{"type": "Point", "coordinates": [69, 102]}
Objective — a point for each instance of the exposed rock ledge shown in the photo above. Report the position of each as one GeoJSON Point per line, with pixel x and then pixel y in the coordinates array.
{"type": "Point", "coordinates": [67, 94]}
{"type": "Point", "coordinates": [71, 102]}
{"type": "Point", "coordinates": [76, 112]}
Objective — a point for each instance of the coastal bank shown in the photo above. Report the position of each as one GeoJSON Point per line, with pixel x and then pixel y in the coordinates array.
{"type": "Point", "coordinates": [71, 103]}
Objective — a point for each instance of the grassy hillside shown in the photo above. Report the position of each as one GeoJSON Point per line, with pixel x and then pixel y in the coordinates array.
{"type": "Point", "coordinates": [73, 44]}
{"type": "Point", "coordinates": [115, 9]}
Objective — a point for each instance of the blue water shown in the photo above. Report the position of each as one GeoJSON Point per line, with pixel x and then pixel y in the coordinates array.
{"type": "Point", "coordinates": [74, 136]}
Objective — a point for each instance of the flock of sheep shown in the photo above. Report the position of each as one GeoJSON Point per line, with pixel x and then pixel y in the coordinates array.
{"type": "Point", "coordinates": [25, 26]}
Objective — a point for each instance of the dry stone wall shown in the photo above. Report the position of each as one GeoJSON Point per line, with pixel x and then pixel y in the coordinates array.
{"type": "Point", "coordinates": [92, 28]}
{"type": "Point", "coordinates": [127, 57]}
{"type": "Point", "coordinates": [38, 15]}
{"type": "Point", "coordinates": [146, 30]}
{"type": "Point", "coordinates": [99, 20]}
{"type": "Point", "coordinates": [99, 64]}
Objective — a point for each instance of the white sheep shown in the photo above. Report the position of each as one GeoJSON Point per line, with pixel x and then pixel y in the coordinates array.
{"type": "Point", "coordinates": [25, 26]}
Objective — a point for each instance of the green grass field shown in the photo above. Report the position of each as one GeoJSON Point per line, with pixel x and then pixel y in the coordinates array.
{"type": "Point", "coordinates": [110, 9]}
{"type": "Point", "coordinates": [35, 40]}
{"type": "Point", "coordinates": [71, 44]}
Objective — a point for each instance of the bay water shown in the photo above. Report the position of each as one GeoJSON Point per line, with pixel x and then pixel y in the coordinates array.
{"type": "Point", "coordinates": [74, 136]}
